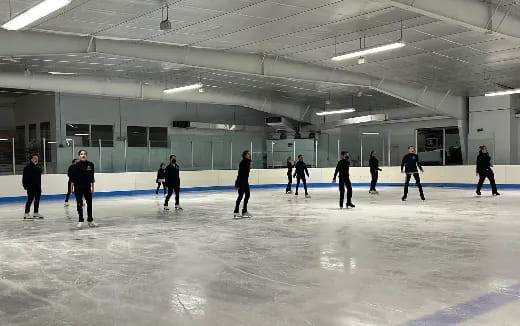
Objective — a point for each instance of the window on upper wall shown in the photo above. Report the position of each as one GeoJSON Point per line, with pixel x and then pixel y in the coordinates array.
{"type": "Point", "coordinates": [79, 134]}
{"type": "Point", "coordinates": [137, 136]}
{"type": "Point", "coordinates": [158, 136]}
{"type": "Point", "coordinates": [20, 137]}
{"type": "Point", "coordinates": [105, 133]}
{"type": "Point", "coordinates": [32, 132]}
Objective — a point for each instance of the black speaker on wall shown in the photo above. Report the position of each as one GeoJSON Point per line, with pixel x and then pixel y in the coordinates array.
{"type": "Point", "coordinates": [180, 124]}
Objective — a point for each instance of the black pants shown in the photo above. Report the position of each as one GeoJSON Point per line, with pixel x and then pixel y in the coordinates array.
{"type": "Point", "coordinates": [69, 184]}
{"type": "Point", "coordinates": [342, 184]}
{"type": "Point", "coordinates": [417, 181]}
{"type": "Point", "coordinates": [171, 189]}
{"type": "Point", "coordinates": [482, 177]}
{"type": "Point", "coordinates": [289, 183]}
{"type": "Point", "coordinates": [373, 183]}
{"type": "Point", "coordinates": [80, 192]}
{"type": "Point", "coordinates": [159, 187]}
{"type": "Point", "coordinates": [33, 194]}
{"type": "Point", "coordinates": [243, 192]}
{"type": "Point", "coordinates": [304, 181]}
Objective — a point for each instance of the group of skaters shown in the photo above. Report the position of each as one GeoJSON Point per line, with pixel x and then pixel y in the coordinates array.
{"type": "Point", "coordinates": [81, 181]}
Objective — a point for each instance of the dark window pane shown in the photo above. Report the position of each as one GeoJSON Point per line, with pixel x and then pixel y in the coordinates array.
{"type": "Point", "coordinates": [158, 137]}
{"type": "Point", "coordinates": [79, 133]}
{"type": "Point", "coordinates": [136, 136]}
{"type": "Point", "coordinates": [103, 132]}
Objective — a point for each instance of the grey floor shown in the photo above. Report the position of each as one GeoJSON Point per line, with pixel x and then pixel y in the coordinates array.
{"type": "Point", "coordinates": [453, 259]}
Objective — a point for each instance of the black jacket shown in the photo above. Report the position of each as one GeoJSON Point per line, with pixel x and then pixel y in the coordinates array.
{"type": "Point", "coordinates": [374, 164]}
{"type": "Point", "coordinates": [289, 168]}
{"type": "Point", "coordinates": [411, 163]}
{"type": "Point", "coordinates": [243, 173]}
{"type": "Point", "coordinates": [82, 174]}
{"type": "Point", "coordinates": [483, 162]}
{"type": "Point", "coordinates": [301, 169]}
{"type": "Point", "coordinates": [342, 169]}
{"type": "Point", "coordinates": [69, 171]}
{"type": "Point", "coordinates": [32, 177]}
{"type": "Point", "coordinates": [161, 174]}
{"type": "Point", "coordinates": [172, 175]}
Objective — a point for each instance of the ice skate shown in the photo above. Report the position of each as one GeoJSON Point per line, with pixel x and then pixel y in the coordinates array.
{"type": "Point", "coordinates": [307, 196]}
{"type": "Point", "coordinates": [178, 208]}
{"type": "Point", "coordinates": [350, 205]}
{"type": "Point", "coordinates": [27, 216]}
{"type": "Point", "coordinates": [478, 193]}
{"type": "Point", "coordinates": [66, 204]}
{"type": "Point", "coordinates": [92, 224]}
{"type": "Point", "coordinates": [79, 225]}
{"type": "Point", "coordinates": [404, 198]}
{"type": "Point", "coordinates": [496, 194]}
{"type": "Point", "coordinates": [166, 208]}
{"type": "Point", "coordinates": [38, 216]}
{"type": "Point", "coordinates": [247, 215]}
{"type": "Point", "coordinates": [237, 216]}
{"type": "Point", "coordinates": [422, 197]}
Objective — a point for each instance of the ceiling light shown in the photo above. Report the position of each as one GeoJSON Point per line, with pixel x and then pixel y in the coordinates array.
{"type": "Point", "coordinates": [80, 134]}
{"type": "Point", "coordinates": [508, 92]}
{"type": "Point", "coordinates": [183, 88]}
{"type": "Point", "coordinates": [4, 139]}
{"type": "Point", "coordinates": [371, 50]}
{"type": "Point", "coordinates": [51, 142]}
{"type": "Point", "coordinates": [47, 60]}
{"type": "Point", "coordinates": [370, 133]}
{"type": "Point", "coordinates": [365, 118]}
{"type": "Point", "coordinates": [62, 73]}
{"type": "Point", "coordinates": [41, 10]}
{"type": "Point", "coordinates": [336, 112]}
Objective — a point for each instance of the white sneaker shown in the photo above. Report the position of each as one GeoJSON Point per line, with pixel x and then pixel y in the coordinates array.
{"type": "Point", "coordinates": [38, 215]}
{"type": "Point", "coordinates": [79, 225]}
{"type": "Point", "coordinates": [66, 204]}
{"type": "Point", "coordinates": [247, 215]}
{"type": "Point", "coordinates": [92, 224]}
{"type": "Point", "coordinates": [27, 216]}
{"type": "Point", "coordinates": [307, 196]}
{"type": "Point", "coordinates": [178, 207]}
{"type": "Point", "coordinates": [237, 216]}
{"type": "Point", "coordinates": [166, 208]}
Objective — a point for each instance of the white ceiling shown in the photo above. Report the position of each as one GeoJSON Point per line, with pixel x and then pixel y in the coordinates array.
{"type": "Point", "coordinates": [439, 55]}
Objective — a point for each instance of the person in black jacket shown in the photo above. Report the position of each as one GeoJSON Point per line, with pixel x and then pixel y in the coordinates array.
{"type": "Point", "coordinates": [83, 180]}
{"type": "Point", "coordinates": [173, 182]}
{"type": "Point", "coordinates": [69, 183]}
{"type": "Point", "coordinates": [301, 171]}
{"type": "Point", "coordinates": [410, 164]}
{"type": "Point", "coordinates": [344, 180]}
{"type": "Point", "coordinates": [242, 186]}
{"type": "Point", "coordinates": [484, 171]}
{"type": "Point", "coordinates": [32, 182]}
{"type": "Point", "coordinates": [373, 162]}
{"type": "Point", "coordinates": [161, 178]}
{"type": "Point", "coordinates": [290, 166]}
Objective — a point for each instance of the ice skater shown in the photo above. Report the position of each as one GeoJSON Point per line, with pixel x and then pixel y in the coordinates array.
{"type": "Point", "coordinates": [411, 164]}
{"type": "Point", "coordinates": [173, 182]}
{"type": "Point", "coordinates": [242, 186]}
{"type": "Point", "coordinates": [344, 180]}
{"type": "Point", "coordinates": [161, 179]}
{"type": "Point", "coordinates": [373, 162]}
{"type": "Point", "coordinates": [484, 171]}
{"type": "Point", "coordinates": [83, 180]}
{"type": "Point", "coordinates": [32, 183]}
{"type": "Point", "coordinates": [301, 171]}
{"type": "Point", "coordinates": [290, 167]}
{"type": "Point", "coordinates": [69, 183]}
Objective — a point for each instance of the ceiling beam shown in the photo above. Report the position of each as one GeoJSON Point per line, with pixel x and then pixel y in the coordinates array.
{"type": "Point", "coordinates": [28, 43]}
{"type": "Point", "coordinates": [473, 14]}
{"type": "Point", "coordinates": [136, 90]}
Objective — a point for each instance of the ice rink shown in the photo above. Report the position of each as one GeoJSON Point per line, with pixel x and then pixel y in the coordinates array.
{"type": "Point", "coordinates": [453, 259]}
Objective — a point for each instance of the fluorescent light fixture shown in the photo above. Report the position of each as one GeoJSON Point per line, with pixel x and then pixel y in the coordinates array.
{"type": "Point", "coordinates": [183, 88]}
{"type": "Point", "coordinates": [61, 73]}
{"type": "Point", "coordinates": [80, 134]}
{"type": "Point", "coordinates": [37, 12]}
{"type": "Point", "coordinates": [508, 92]}
{"type": "Point", "coordinates": [4, 139]}
{"type": "Point", "coordinates": [336, 112]}
{"type": "Point", "coordinates": [364, 119]}
{"type": "Point", "coordinates": [68, 139]}
{"type": "Point", "coordinates": [370, 133]}
{"type": "Point", "coordinates": [370, 50]}
{"type": "Point", "coordinates": [51, 142]}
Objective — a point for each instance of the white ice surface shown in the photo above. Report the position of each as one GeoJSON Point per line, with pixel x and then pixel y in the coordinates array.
{"type": "Point", "coordinates": [298, 262]}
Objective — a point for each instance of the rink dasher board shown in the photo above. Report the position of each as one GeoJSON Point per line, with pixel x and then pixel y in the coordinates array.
{"type": "Point", "coordinates": [123, 193]}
